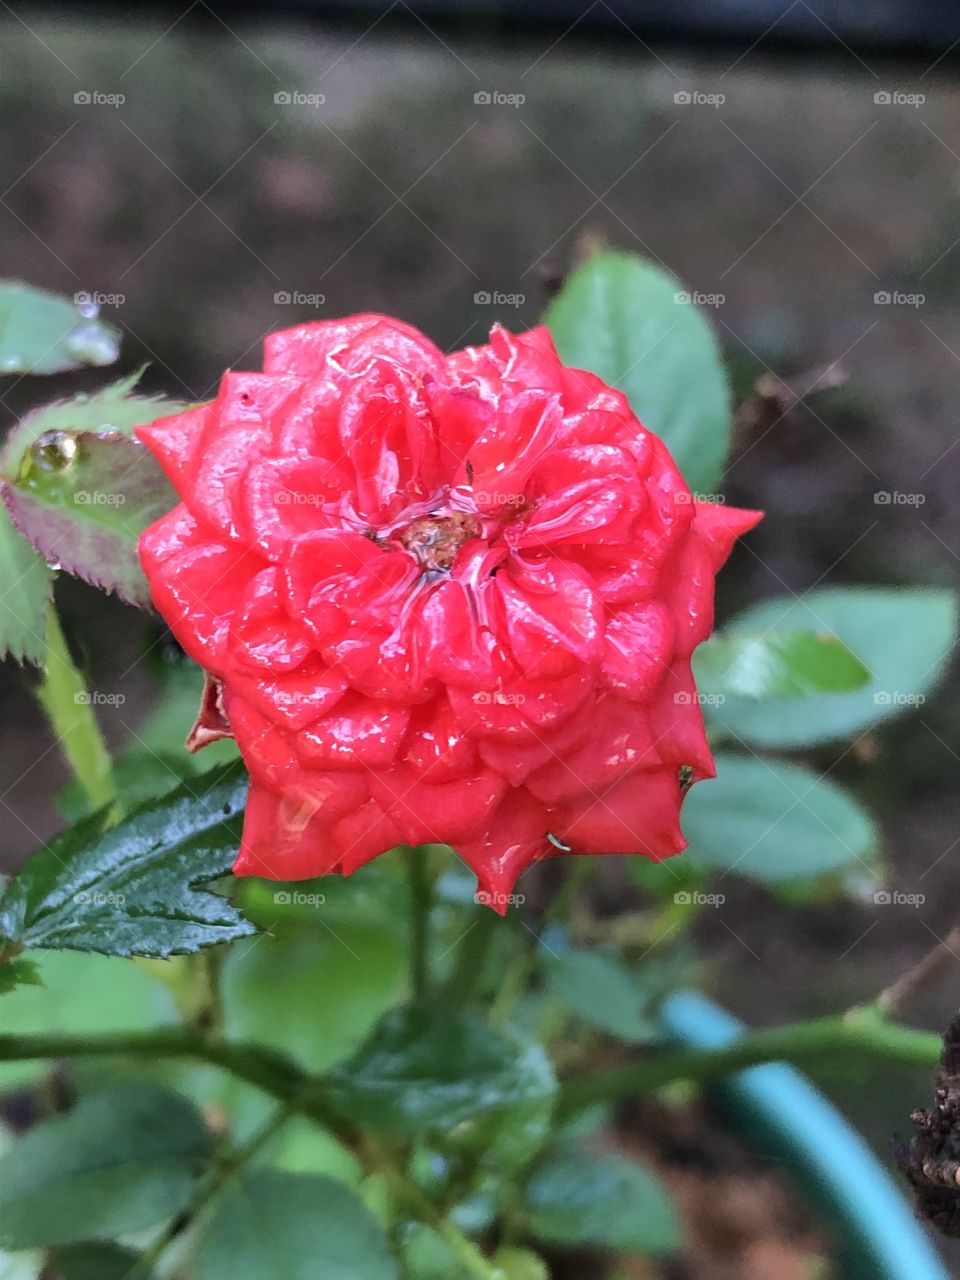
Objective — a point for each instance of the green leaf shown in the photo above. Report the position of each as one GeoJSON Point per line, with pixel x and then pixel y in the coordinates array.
{"type": "Point", "coordinates": [601, 991]}
{"type": "Point", "coordinates": [99, 1262]}
{"type": "Point", "coordinates": [80, 489]}
{"type": "Point", "coordinates": [82, 500]}
{"type": "Point", "coordinates": [619, 317]}
{"type": "Point", "coordinates": [426, 1255]}
{"type": "Point", "coordinates": [113, 410]}
{"type": "Point", "coordinates": [21, 971]}
{"type": "Point", "coordinates": [81, 994]}
{"type": "Point", "coordinates": [316, 966]}
{"type": "Point", "coordinates": [520, 1264]}
{"type": "Point", "coordinates": [298, 1226]}
{"type": "Point", "coordinates": [25, 596]}
{"type": "Point", "coordinates": [903, 636]}
{"type": "Point", "coordinates": [119, 1162]}
{"type": "Point", "coordinates": [136, 889]}
{"type": "Point", "coordinates": [576, 1198]}
{"type": "Point", "coordinates": [43, 333]}
{"type": "Point", "coordinates": [771, 821]}
{"type": "Point", "coordinates": [785, 664]}
{"type": "Point", "coordinates": [432, 1072]}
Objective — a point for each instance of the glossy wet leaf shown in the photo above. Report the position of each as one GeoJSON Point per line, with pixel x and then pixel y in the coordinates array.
{"type": "Point", "coordinates": [784, 664]}
{"type": "Point", "coordinates": [434, 1072]}
{"type": "Point", "coordinates": [904, 636]}
{"type": "Point", "coordinates": [624, 319]}
{"type": "Point", "coordinates": [42, 332]}
{"type": "Point", "coordinates": [600, 990]}
{"type": "Point", "coordinates": [575, 1198]}
{"type": "Point", "coordinates": [772, 821]}
{"type": "Point", "coordinates": [136, 889]}
{"type": "Point", "coordinates": [119, 1162]}
{"type": "Point", "coordinates": [298, 1226]}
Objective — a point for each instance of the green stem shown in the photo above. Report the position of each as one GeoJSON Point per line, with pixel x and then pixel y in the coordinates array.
{"type": "Point", "coordinates": [472, 956]}
{"type": "Point", "coordinates": [464, 1250]}
{"type": "Point", "coordinates": [856, 1033]}
{"type": "Point", "coordinates": [227, 1167]}
{"type": "Point", "coordinates": [421, 896]}
{"type": "Point", "coordinates": [270, 1071]}
{"type": "Point", "coordinates": [64, 697]}
{"type": "Point", "coordinates": [522, 972]}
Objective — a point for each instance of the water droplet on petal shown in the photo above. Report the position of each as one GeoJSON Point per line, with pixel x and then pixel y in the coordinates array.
{"type": "Point", "coordinates": [89, 309]}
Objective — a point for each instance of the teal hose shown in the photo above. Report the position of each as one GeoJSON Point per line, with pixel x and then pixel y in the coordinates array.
{"type": "Point", "coordinates": [874, 1228]}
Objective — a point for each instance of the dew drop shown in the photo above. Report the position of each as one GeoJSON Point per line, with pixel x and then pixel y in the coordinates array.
{"type": "Point", "coordinates": [89, 309]}
{"type": "Point", "coordinates": [54, 450]}
{"type": "Point", "coordinates": [93, 343]}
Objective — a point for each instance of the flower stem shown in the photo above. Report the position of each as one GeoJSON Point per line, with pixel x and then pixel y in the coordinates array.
{"type": "Point", "coordinates": [472, 955]}
{"type": "Point", "coordinates": [421, 898]}
{"type": "Point", "coordinates": [226, 1168]}
{"type": "Point", "coordinates": [64, 698]}
{"type": "Point", "coordinates": [859, 1032]}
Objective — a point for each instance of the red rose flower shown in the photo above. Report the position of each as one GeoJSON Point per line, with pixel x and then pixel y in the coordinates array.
{"type": "Point", "coordinates": [440, 598]}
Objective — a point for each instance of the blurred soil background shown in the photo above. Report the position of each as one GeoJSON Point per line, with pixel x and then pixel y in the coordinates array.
{"type": "Point", "coordinates": [208, 202]}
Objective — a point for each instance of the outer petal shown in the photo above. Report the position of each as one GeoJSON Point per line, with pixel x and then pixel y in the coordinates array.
{"type": "Point", "coordinates": [195, 581]}
{"type": "Point", "coordinates": [282, 839]}
{"type": "Point", "coordinates": [173, 441]}
{"type": "Point", "coordinates": [639, 814]}
{"type": "Point", "coordinates": [448, 812]}
{"type": "Point", "coordinates": [514, 839]}
{"type": "Point", "coordinates": [309, 349]}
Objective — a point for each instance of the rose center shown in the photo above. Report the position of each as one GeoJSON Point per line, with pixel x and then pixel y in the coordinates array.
{"type": "Point", "coordinates": [435, 540]}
